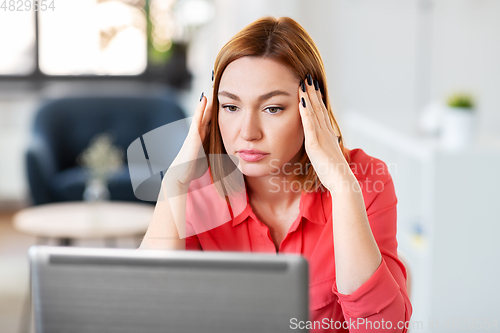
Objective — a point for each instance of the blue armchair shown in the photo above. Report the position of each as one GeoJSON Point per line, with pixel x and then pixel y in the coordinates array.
{"type": "Point", "coordinates": [64, 127]}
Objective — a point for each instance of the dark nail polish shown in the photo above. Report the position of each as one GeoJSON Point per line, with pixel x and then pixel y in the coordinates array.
{"type": "Point", "coordinates": [309, 79]}
{"type": "Point", "coordinates": [212, 74]}
{"type": "Point", "coordinates": [303, 101]}
{"type": "Point", "coordinates": [302, 86]}
{"type": "Point", "coordinates": [316, 85]}
{"type": "Point", "coordinates": [201, 97]}
{"type": "Point", "coordinates": [339, 139]}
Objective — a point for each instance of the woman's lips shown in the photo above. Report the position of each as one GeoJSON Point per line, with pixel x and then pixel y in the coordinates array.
{"type": "Point", "coordinates": [251, 157]}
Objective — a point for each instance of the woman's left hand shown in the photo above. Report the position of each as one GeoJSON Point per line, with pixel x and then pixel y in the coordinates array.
{"type": "Point", "coordinates": [321, 140]}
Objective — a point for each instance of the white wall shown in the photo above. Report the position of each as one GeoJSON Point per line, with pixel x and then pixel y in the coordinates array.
{"type": "Point", "coordinates": [466, 55]}
{"type": "Point", "coordinates": [369, 49]}
{"type": "Point", "coordinates": [389, 58]}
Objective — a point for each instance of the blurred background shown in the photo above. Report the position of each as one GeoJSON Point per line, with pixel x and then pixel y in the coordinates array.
{"type": "Point", "coordinates": [413, 82]}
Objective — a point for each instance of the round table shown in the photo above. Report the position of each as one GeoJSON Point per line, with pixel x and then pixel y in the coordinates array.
{"type": "Point", "coordinates": [68, 221]}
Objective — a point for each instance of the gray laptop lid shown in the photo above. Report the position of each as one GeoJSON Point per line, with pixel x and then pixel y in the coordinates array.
{"type": "Point", "coordinates": [142, 291]}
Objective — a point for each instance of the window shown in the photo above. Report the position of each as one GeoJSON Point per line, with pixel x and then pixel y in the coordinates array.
{"type": "Point", "coordinates": [93, 37]}
{"type": "Point", "coordinates": [17, 41]}
{"type": "Point", "coordinates": [76, 37]}
{"type": "Point", "coordinates": [44, 39]}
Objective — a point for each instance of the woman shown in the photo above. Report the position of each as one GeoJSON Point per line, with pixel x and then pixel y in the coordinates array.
{"type": "Point", "coordinates": [271, 113]}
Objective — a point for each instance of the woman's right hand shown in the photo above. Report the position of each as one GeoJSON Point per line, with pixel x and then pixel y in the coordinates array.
{"type": "Point", "coordinates": [191, 162]}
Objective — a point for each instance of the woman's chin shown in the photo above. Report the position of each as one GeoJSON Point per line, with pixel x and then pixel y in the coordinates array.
{"type": "Point", "coordinates": [254, 170]}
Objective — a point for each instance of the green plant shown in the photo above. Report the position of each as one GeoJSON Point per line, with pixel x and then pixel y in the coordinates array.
{"type": "Point", "coordinates": [461, 100]}
{"type": "Point", "coordinates": [101, 158]}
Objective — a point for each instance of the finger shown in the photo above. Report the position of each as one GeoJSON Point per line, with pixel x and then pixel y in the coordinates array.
{"type": "Point", "coordinates": [317, 105]}
{"type": "Point", "coordinates": [197, 125]}
{"type": "Point", "coordinates": [308, 120]}
{"type": "Point", "coordinates": [207, 114]}
{"type": "Point", "coordinates": [319, 100]}
{"type": "Point", "coordinates": [323, 115]}
{"type": "Point", "coordinates": [309, 107]}
{"type": "Point", "coordinates": [198, 114]}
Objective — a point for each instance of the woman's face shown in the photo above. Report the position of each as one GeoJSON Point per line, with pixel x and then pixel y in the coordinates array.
{"type": "Point", "coordinates": [259, 109]}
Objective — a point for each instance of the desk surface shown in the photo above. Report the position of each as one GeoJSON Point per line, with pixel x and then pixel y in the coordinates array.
{"type": "Point", "coordinates": [82, 220]}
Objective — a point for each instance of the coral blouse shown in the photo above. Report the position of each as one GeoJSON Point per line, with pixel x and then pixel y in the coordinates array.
{"type": "Point", "coordinates": [382, 298]}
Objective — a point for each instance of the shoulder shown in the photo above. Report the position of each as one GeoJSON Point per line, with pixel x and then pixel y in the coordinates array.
{"type": "Point", "coordinates": [365, 166]}
{"type": "Point", "coordinates": [373, 175]}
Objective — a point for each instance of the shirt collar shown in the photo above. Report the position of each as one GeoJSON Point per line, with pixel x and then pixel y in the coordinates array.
{"type": "Point", "coordinates": [310, 207]}
{"type": "Point", "coordinates": [247, 211]}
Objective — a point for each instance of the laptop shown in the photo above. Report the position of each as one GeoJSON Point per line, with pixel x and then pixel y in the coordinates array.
{"type": "Point", "coordinates": [76, 289]}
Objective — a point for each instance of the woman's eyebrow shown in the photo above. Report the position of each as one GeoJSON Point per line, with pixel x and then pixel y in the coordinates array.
{"type": "Point", "coordinates": [272, 94]}
{"type": "Point", "coordinates": [228, 94]}
{"type": "Point", "coordinates": [261, 98]}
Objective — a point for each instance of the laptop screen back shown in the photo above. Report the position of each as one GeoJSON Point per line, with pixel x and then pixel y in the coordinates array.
{"type": "Point", "coordinates": [128, 290]}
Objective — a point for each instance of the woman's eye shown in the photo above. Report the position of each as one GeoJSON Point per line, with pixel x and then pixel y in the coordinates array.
{"type": "Point", "coordinates": [230, 108]}
{"type": "Point", "coordinates": [273, 109]}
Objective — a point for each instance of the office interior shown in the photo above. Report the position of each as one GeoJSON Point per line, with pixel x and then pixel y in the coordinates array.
{"type": "Point", "coordinates": [392, 67]}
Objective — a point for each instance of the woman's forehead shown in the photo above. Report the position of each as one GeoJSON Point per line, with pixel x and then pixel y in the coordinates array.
{"type": "Point", "coordinates": [257, 73]}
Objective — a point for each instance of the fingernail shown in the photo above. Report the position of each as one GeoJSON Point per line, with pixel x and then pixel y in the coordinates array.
{"type": "Point", "coordinates": [302, 86]}
{"type": "Point", "coordinates": [303, 102]}
{"type": "Point", "coordinates": [201, 97]}
{"type": "Point", "coordinates": [339, 139]}
{"type": "Point", "coordinates": [316, 85]}
{"type": "Point", "coordinates": [309, 79]}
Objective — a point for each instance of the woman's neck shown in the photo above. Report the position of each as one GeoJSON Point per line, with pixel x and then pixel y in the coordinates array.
{"type": "Point", "coordinates": [273, 192]}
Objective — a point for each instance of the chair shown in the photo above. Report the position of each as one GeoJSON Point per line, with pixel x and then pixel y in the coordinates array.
{"type": "Point", "coordinates": [63, 128]}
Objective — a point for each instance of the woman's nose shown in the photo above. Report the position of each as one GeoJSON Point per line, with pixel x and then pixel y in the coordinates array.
{"type": "Point", "coordinates": [250, 126]}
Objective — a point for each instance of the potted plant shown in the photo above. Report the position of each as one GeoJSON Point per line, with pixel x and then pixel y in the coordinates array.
{"type": "Point", "coordinates": [101, 159]}
{"type": "Point", "coordinates": [459, 121]}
